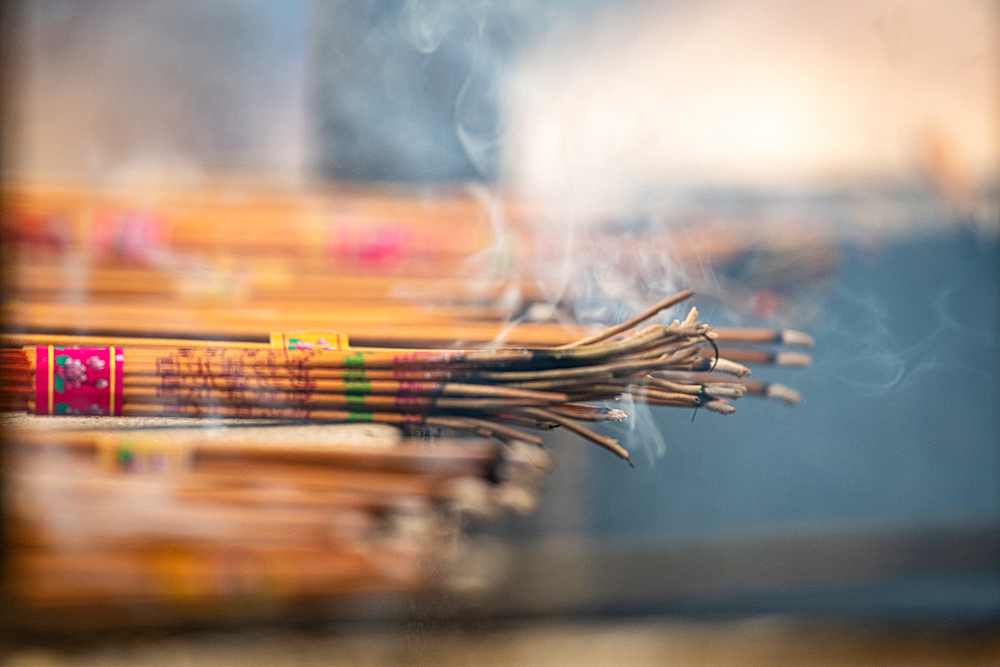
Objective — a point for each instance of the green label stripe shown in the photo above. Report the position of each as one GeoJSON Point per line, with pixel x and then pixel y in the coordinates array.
{"type": "Point", "coordinates": [354, 401]}
{"type": "Point", "coordinates": [124, 455]}
{"type": "Point", "coordinates": [361, 386]}
{"type": "Point", "coordinates": [359, 416]}
{"type": "Point", "coordinates": [353, 374]}
{"type": "Point", "coordinates": [357, 359]}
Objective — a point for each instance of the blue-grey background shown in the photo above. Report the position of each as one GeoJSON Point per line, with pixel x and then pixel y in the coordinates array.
{"type": "Point", "coordinates": [900, 417]}
{"type": "Point", "coordinates": [898, 437]}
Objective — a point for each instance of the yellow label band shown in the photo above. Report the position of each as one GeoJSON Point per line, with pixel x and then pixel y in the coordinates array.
{"type": "Point", "coordinates": [309, 339]}
{"type": "Point", "coordinates": [111, 371]}
{"type": "Point", "coordinates": [52, 380]}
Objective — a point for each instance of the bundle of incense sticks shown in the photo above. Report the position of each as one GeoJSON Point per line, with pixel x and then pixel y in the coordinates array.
{"type": "Point", "coordinates": [369, 223]}
{"type": "Point", "coordinates": [323, 229]}
{"type": "Point", "coordinates": [496, 392]}
{"type": "Point", "coordinates": [230, 263]}
{"type": "Point", "coordinates": [351, 230]}
{"type": "Point", "coordinates": [240, 520]}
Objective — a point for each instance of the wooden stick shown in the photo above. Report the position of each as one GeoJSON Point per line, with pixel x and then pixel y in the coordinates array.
{"type": "Point", "coordinates": [211, 398]}
{"type": "Point", "coordinates": [20, 340]}
{"type": "Point", "coordinates": [226, 361]}
{"type": "Point", "coordinates": [772, 390]}
{"type": "Point", "coordinates": [588, 412]}
{"type": "Point", "coordinates": [678, 387]}
{"type": "Point", "coordinates": [608, 443]}
{"type": "Point", "coordinates": [299, 388]}
{"type": "Point", "coordinates": [630, 323]}
{"type": "Point", "coordinates": [762, 357]}
{"type": "Point", "coordinates": [762, 336]}
{"type": "Point", "coordinates": [676, 398]}
{"type": "Point", "coordinates": [341, 444]}
{"type": "Point", "coordinates": [248, 323]}
{"type": "Point", "coordinates": [719, 365]}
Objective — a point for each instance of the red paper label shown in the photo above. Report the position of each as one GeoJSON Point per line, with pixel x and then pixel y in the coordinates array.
{"type": "Point", "coordinates": [78, 380]}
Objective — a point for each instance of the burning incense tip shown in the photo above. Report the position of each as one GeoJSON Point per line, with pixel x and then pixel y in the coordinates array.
{"type": "Point", "coordinates": [616, 415]}
{"type": "Point", "coordinates": [792, 337]}
{"type": "Point", "coordinates": [720, 406]}
{"type": "Point", "coordinates": [792, 359]}
{"type": "Point", "coordinates": [724, 390]}
{"type": "Point", "coordinates": [782, 393]}
{"type": "Point", "coordinates": [730, 368]}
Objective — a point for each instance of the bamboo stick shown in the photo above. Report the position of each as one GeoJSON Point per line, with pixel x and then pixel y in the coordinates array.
{"type": "Point", "coordinates": [630, 323]}
{"type": "Point", "coordinates": [762, 336]}
{"type": "Point", "coordinates": [344, 445]}
{"type": "Point", "coordinates": [762, 357]}
{"type": "Point", "coordinates": [608, 443]}
{"type": "Point", "coordinates": [297, 388]}
{"type": "Point", "coordinates": [209, 399]}
{"type": "Point", "coordinates": [234, 322]}
{"type": "Point", "coordinates": [772, 390]}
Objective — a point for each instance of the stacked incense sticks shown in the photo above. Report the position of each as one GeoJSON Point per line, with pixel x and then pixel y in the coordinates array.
{"type": "Point", "coordinates": [393, 268]}
{"type": "Point", "coordinates": [494, 392]}
{"type": "Point", "coordinates": [230, 263]}
{"type": "Point", "coordinates": [230, 469]}
{"type": "Point", "coordinates": [214, 480]}
{"type": "Point", "coordinates": [167, 523]}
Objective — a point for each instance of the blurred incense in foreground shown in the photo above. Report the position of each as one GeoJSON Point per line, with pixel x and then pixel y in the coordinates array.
{"type": "Point", "coordinates": [193, 523]}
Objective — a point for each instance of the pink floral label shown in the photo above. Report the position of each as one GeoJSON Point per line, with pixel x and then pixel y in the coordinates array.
{"type": "Point", "coordinates": [78, 380]}
{"type": "Point", "coordinates": [132, 235]}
